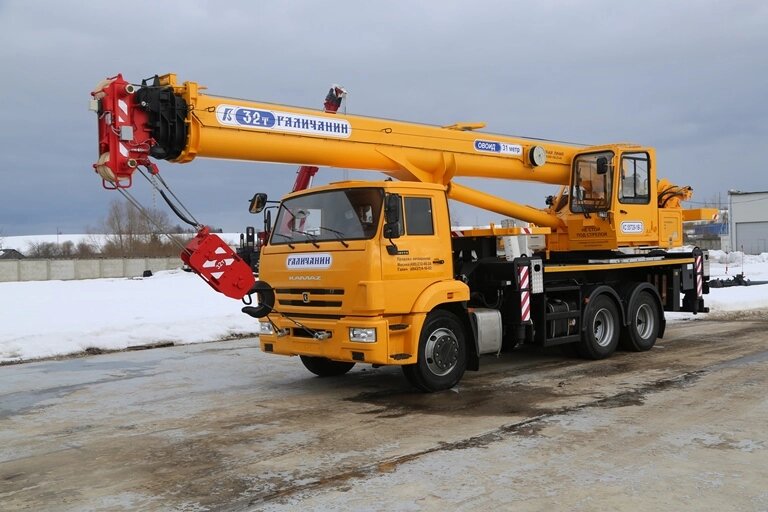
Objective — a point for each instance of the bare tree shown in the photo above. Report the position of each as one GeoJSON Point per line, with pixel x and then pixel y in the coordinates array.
{"type": "Point", "coordinates": [43, 250]}
{"type": "Point", "coordinates": [132, 233]}
{"type": "Point", "coordinates": [67, 249]}
{"type": "Point", "coordinates": [85, 250]}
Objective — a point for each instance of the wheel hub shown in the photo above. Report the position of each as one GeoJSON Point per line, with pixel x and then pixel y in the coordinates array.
{"type": "Point", "coordinates": [602, 327]}
{"type": "Point", "coordinates": [644, 321]}
{"type": "Point", "coordinates": [442, 352]}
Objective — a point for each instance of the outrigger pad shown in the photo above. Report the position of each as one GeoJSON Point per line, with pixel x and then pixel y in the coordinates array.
{"type": "Point", "coordinates": [212, 259]}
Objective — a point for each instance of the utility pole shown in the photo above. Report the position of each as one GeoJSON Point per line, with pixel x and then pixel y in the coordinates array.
{"type": "Point", "coordinates": [731, 227]}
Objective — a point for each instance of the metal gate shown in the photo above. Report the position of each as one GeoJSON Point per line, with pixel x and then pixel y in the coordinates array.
{"type": "Point", "coordinates": [751, 237]}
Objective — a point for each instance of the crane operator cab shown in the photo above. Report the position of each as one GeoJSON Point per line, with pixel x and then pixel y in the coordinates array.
{"type": "Point", "coordinates": [609, 202]}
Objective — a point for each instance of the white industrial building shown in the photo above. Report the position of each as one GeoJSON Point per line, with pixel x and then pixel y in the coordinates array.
{"type": "Point", "coordinates": [748, 221]}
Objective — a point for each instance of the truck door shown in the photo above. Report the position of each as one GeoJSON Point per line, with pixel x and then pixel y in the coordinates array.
{"type": "Point", "coordinates": [423, 253]}
{"type": "Point", "coordinates": [591, 199]}
{"type": "Point", "coordinates": [634, 215]}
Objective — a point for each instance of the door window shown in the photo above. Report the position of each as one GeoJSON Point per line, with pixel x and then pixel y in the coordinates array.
{"type": "Point", "coordinates": [634, 179]}
{"type": "Point", "coordinates": [418, 216]}
{"type": "Point", "coordinates": [592, 182]}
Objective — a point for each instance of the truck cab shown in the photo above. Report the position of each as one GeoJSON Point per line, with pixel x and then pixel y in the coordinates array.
{"type": "Point", "coordinates": [355, 268]}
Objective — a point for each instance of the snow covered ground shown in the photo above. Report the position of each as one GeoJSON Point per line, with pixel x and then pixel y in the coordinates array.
{"type": "Point", "coordinates": [50, 318]}
{"type": "Point", "coordinates": [25, 242]}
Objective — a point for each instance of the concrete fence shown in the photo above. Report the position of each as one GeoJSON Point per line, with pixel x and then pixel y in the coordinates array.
{"type": "Point", "coordinates": [44, 270]}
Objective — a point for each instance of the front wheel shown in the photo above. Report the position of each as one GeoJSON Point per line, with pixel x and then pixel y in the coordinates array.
{"type": "Point", "coordinates": [442, 356]}
{"type": "Point", "coordinates": [324, 367]}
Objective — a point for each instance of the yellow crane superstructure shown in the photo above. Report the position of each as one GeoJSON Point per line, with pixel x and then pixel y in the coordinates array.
{"type": "Point", "coordinates": [370, 271]}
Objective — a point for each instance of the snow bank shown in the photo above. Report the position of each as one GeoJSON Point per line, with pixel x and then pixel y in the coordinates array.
{"type": "Point", "coordinates": [726, 265]}
{"type": "Point", "coordinates": [737, 257]}
{"type": "Point", "coordinates": [24, 243]}
{"type": "Point", "coordinates": [51, 318]}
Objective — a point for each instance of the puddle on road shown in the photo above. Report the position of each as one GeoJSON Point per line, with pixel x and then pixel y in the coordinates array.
{"type": "Point", "coordinates": [467, 401]}
{"type": "Point", "coordinates": [518, 399]}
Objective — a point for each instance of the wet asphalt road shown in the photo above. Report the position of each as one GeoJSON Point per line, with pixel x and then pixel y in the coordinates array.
{"type": "Point", "coordinates": [222, 426]}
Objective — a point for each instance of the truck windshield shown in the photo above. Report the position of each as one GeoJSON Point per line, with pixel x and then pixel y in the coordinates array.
{"type": "Point", "coordinates": [591, 187]}
{"type": "Point", "coordinates": [346, 214]}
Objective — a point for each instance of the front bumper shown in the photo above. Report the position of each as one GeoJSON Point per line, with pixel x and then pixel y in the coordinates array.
{"type": "Point", "coordinates": [397, 339]}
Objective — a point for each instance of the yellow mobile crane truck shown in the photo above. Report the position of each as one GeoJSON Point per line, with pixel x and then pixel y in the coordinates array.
{"type": "Point", "coordinates": [370, 271]}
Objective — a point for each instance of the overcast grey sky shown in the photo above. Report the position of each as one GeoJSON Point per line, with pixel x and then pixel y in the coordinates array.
{"type": "Point", "coordinates": [689, 78]}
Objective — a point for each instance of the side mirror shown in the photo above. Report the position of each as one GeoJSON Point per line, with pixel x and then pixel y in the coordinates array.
{"type": "Point", "coordinates": [602, 165]}
{"type": "Point", "coordinates": [393, 207]}
{"type": "Point", "coordinates": [392, 230]}
{"type": "Point", "coordinates": [258, 202]}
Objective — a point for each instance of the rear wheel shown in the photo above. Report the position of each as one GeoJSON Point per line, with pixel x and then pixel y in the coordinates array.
{"type": "Point", "coordinates": [324, 367]}
{"type": "Point", "coordinates": [643, 328]}
{"type": "Point", "coordinates": [601, 329]}
{"type": "Point", "coordinates": [442, 356]}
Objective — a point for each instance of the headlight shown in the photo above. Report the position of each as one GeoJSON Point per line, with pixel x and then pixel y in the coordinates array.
{"type": "Point", "coordinates": [363, 335]}
{"type": "Point", "coordinates": [266, 328]}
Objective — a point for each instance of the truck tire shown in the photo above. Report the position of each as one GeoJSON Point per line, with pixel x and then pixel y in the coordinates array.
{"type": "Point", "coordinates": [600, 335]}
{"type": "Point", "coordinates": [324, 367]}
{"type": "Point", "coordinates": [643, 328]}
{"type": "Point", "coordinates": [442, 357]}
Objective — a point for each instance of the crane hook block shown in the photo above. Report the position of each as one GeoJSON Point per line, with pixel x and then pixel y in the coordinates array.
{"type": "Point", "coordinates": [212, 259]}
{"type": "Point", "coordinates": [131, 119]}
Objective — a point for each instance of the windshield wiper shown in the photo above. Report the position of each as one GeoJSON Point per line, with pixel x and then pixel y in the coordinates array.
{"type": "Point", "coordinates": [288, 238]}
{"type": "Point", "coordinates": [339, 235]}
{"type": "Point", "coordinates": [310, 236]}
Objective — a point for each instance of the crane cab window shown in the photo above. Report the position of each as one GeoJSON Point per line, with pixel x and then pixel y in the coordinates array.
{"type": "Point", "coordinates": [634, 179]}
{"type": "Point", "coordinates": [418, 216]}
{"type": "Point", "coordinates": [592, 182]}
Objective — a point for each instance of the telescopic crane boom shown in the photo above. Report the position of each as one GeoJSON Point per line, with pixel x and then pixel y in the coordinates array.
{"type": "Point", "coordinates": [177, 122]}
